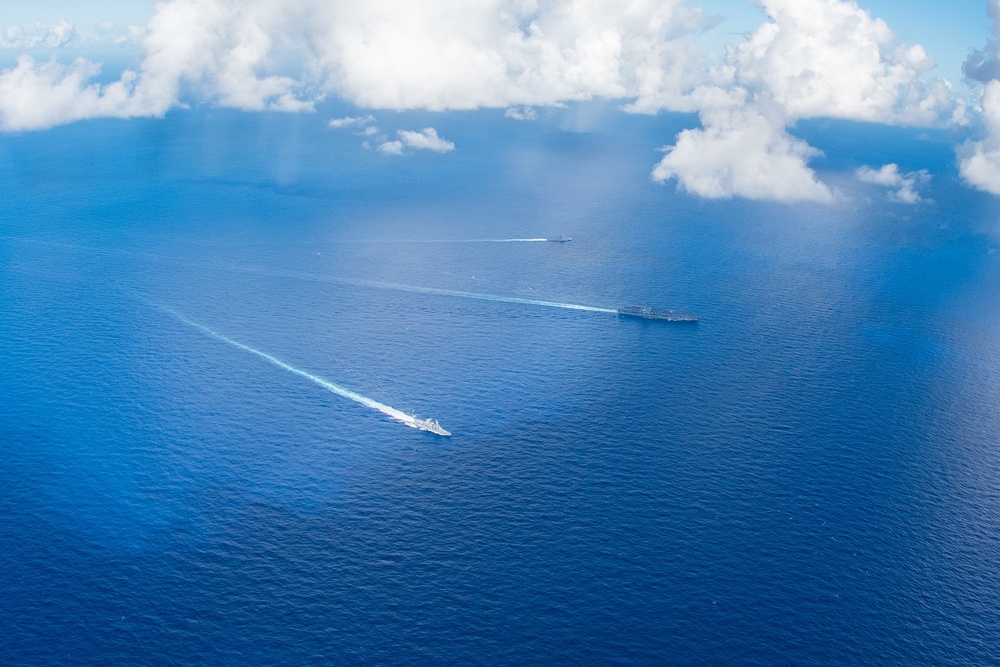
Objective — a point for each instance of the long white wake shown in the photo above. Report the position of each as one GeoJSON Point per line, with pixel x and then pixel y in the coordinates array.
{"type": "Point", "coordinates": [398, 415]}
{"type": "Point", "coordinates": [476, 295]}
{"type": "Point", "coordinates": [377, 285]}
{"type": "Point", "coordinates": [468, 241]}
{"type": "Point", "coordinates": [420, 290]}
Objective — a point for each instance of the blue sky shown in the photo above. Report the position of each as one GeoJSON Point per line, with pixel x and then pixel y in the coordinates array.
{"type": "Point", "coordinates": [749, 78]}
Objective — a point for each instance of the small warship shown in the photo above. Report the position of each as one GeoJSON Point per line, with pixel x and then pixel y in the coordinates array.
{"type": "Point", "coordinates": [429, 425]}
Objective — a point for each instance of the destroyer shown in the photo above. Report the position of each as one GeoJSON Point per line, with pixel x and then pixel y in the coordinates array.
{"type": "Point", "coordinates": [559, 239]}
{"type": "Point", "coordinates": [656, 314]}
{"type": "Point", "coordinates": [431, 426]}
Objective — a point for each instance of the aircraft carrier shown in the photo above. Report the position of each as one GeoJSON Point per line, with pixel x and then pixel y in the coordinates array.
{"type": "Point", "coordinates": [656, 314]}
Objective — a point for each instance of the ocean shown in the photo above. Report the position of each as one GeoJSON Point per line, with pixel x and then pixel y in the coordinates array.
{"type": "Point", "coordinates": [808, 475]}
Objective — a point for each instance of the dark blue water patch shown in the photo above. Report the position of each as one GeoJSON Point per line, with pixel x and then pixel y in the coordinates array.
{"type": "Point", "coordinates": [849, 144]}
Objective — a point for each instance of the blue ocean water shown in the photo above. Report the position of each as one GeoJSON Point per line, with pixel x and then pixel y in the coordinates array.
{"type": "Point", "coordinates": [809, 475]}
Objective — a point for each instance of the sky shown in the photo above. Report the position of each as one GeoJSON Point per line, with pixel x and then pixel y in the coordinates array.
{"type": "Point", "coordinates": [749, 70]}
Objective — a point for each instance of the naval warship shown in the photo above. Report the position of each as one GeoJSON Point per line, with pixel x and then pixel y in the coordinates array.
{"type": "Point", "coordinates": [656, 314]}
{"type": "Point", "coordinates": [559, 239]}
{"type": "Point", "coordinates": [431, 426]}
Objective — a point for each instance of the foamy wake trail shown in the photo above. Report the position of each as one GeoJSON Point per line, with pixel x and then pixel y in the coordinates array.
{"type": "Point", "coordinates": [398, 415]}
{"type": "Point", "coordinates": [470, 241]}
{"type": "Point", "coordinates": [422, 290]}
{"type": "Point", "coordinates": [508, 241]}
{"type": "Point", "coordinates": [479, 296]}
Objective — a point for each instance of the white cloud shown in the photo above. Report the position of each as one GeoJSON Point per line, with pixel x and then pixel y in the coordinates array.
{"type": "Point", "coordinates": [349, 121]}
{"type": "Point", "coordinates": [391, 54]}
{"type": "Point", "coordinates": [391, 147]}
{"type": "Point", "coordinates": [520, 113]}
{"type": "Point", "coordinates": [889, 176]}
{"type": "Point", "coordinates": [64, 35]}
{"type": "Point", "coordinates": [49, 36]}
{"type": "Point", "coordinates": [979, 161]}
{"type": "Point", "coordinates": [462, 54]}
{"type": "Point", "coordinates": [740, 152]}
{"type": "Point", "coordinates": [830, 58]}
{"type": "Point", "coordinates": [811, 58]}
{"type": "Point", "coordinates": [39, 95]}
{"type": "Point", "coordinates": [426, 139]}
{"type": "Point", "coordinates": [213, 49]}
{"type": "Point", "coordinates": [221, 50]}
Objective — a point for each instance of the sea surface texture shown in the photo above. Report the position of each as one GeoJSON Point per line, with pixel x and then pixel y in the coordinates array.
{"type": "Point", "coordinates": [807, 476]}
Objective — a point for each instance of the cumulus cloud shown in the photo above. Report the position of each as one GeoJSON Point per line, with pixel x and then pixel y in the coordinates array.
{"type": "Point", "coordinates": [48, 36]}
{"type": "Point", "coordinates": [889, 176]}
{"type": "Point", "coordinates": [830, 58]}
{"type": "Point", "coordinates": [456, 54]}
{"type": "Point", "coordinates": [812, 58]}
{"type": "Point", "coordinates": [809, 58]}
{"type": "Point", "coordinates": [979, 161]}
{"type": "Point", "coordinates": [426, 139]}
{"type": "Point", "coordinates": [64, 35]}
{"type": "Point", "coordinates": [983, 65]}
{"type": "Point", "coordinates": [437, 55]}
{"type": "Point", "coordinates": [218, 50]}
{"type": "Point", "coordinates": [224, 51]}
{"type": "Point", "coordinates": [741, 152]}
{"type": "Point", "coordinates": [39, 95]}
{"type": "Point", "coordinates": [391, 147]}
{"type": "Point", "coordinates": [520, 113]}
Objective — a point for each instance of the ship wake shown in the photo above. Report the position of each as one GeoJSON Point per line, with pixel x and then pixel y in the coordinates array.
{"type": "Point", "coordinates": [477, 295]}
{"type": "Point", "coordinates": [469, 241]}
{"type": "Point", "coordinates": [400, 416]}
{"type": "Point", "coordinates": [419, 290]}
